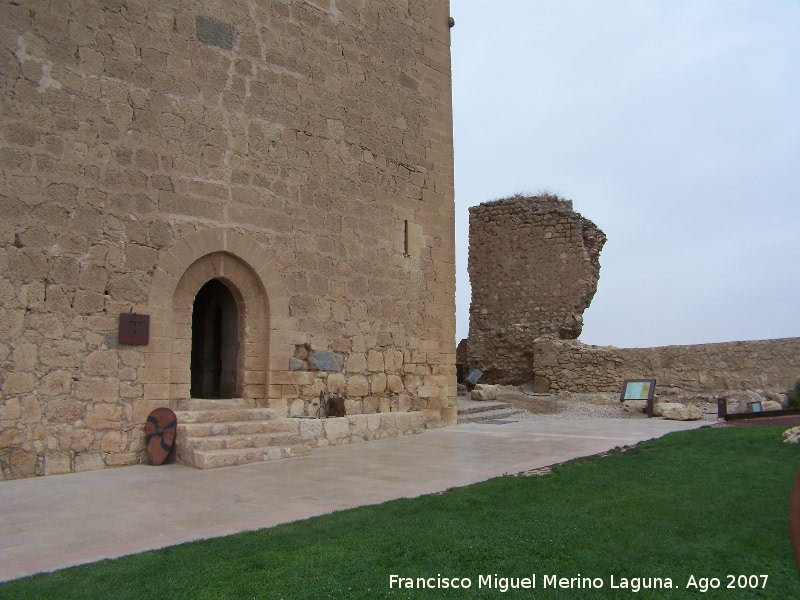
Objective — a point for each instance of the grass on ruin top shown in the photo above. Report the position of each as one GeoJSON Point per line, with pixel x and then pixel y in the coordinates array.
{"type": "Point", "coordinates": [704, 503]}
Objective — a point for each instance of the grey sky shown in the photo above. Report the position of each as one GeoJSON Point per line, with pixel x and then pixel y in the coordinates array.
{"type": "Point", "coordinates": [673, 125]}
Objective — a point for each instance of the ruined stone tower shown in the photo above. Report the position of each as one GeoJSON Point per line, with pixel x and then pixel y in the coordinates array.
{"type": "Point", "coordinates": [269, 181]}
{"type": "Point", "coordinates": [534, 266]}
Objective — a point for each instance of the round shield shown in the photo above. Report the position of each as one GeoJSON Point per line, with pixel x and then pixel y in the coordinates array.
{"type": "Point", "coordinates": [159, 434]}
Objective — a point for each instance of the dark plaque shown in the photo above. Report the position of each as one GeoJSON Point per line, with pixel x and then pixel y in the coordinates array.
{"type": "Point", "coordinates": [134, 329]}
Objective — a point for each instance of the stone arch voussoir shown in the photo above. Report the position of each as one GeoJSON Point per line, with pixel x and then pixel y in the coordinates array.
{"type": "Point", "coordinates": [249, 271]}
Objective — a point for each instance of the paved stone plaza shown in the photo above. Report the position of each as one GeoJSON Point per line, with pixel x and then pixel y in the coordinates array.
{"type": "Point", "coordinates": [110, 513]}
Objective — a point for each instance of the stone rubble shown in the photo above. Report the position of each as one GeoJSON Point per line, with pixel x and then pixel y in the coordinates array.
{"type": "Point", "coordinates": [792, 436]}
{"type": "Point", "coordinates": [671, 404]}
{"type": "Point", "coordinates": [484, 391]}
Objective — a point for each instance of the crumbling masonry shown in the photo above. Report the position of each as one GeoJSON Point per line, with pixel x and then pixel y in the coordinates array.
{"type": "Point", "coordinates": [534, 266]}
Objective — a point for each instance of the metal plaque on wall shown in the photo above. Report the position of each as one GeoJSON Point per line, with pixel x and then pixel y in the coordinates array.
{"type": "Point", "coordinates": [134, 329]}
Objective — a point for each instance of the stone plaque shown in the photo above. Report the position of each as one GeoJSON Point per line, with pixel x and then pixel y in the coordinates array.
{"type": "Point", "coordinates": [213, 32]}
{"type": "Point", "coordinates": [134, 329]}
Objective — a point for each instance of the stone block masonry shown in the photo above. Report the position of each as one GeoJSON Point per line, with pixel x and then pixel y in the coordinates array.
{"type": "Point", "coordinates": [533, 266]}
{"type": "Point", "coordinates": [569, 365]}
{"type": "Point", "coordinates": [298, 152]}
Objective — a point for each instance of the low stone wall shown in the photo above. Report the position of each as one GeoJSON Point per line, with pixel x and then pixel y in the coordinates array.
{"type": "Point", "coordinates": [569, 365]}
{"type": "Point", "coordinates": [335, 431]}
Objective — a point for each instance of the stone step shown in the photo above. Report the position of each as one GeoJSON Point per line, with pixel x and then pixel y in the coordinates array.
{"type": "Point", "coordinates": [476, 406]}
{"type": "Point", "coordinates": [224, 428]}
{"type": "Point", "coordinates": [212, 459]}
{"type": "Point", "coordinates": [215, 433]}
{"type": "Point", "coordinates": [238, 442]}
{"type": "Point", "coordinates": [226, 415]}
{"type": "Point", "coordinates": [489, 415]}
{"type": "Point", "coordinates": [184, 404]}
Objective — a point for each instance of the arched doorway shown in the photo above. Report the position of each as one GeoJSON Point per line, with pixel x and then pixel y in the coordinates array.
{"type": "Point", "coordinates": [268, 333]}
{"type": "Point", "coordinates": [215, 342]}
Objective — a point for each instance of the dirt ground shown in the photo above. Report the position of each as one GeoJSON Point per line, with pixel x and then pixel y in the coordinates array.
{"type": "Point", "coordinates": [594, 405]}
{"type": "Point", "coordinates": [537, 405]}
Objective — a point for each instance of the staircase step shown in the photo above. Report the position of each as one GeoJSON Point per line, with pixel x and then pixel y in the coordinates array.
{"type": "Point", "coordinates": [239, 442]}
{"type": "Point", "coordinates": [215, 433]}
{"type": "Point", "coordinates": [489, 415]}
{"type": "Point", "coordinates": [184, 404]}
{"type": "Point", "coordinates": [212, 459]}
{"type": "Point", "coordinates": [225, 428]}
{"type": "Point", "coordinates": [226, 415]}
{"type": "Point", "coordinates": [476, 406]}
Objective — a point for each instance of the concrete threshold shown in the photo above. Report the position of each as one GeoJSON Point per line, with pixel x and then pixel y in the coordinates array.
{"type": "Point", "coordinates": [50, 523]}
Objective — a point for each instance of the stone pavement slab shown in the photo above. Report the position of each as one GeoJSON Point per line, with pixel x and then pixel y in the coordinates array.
{"type": "Point", "coordinates": [58, 521]}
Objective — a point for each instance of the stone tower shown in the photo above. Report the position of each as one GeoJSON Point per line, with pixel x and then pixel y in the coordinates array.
{"type": "Point", "coordinates": [534, 266]}
{"type": "Point", "coordinates": [270, 182]}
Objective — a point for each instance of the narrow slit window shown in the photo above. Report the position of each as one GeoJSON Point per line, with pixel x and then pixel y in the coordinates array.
{"type": "Point", "coordinates": [405, 239]}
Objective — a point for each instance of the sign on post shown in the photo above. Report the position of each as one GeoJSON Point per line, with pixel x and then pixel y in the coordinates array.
{"type": "Point", "coordinates": [639, 389]}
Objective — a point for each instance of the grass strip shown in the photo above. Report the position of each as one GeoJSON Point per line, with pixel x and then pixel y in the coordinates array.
{"type": "Point", "coordinates": [706, 503]}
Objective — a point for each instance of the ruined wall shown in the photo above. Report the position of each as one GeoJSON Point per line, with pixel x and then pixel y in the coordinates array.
{"type": "Point", "coordinates": [569, 365]}
{"type": "Point", "coordinates": [533, 266]}
{"type": "Point", "coordinates": [299, 151]}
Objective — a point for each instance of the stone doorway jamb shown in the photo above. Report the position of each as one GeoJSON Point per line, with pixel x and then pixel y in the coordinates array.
{"type": "Point", "coordinates": [271, 333]}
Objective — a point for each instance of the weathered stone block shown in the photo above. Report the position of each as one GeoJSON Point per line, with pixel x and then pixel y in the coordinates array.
{"type": "Point", "coordinates": [356, 363]}
{"type": "Point", "coordinates": [214, 32]}
{"type": "Point", "coordinates": [25, 357]}
{"type": "Point", "coordinates": [353, 406]}
{"type": "Point", "coordinates": [104, 416]}
{"type": "Point", "coordinates": [23, 464]}
{"type": "Point", "coordinates": [377, 383]}
{"type": "Point", "coordinates": [297, 408]}
{"type": "Point", "coordinates": [119, 459]}
{"type": "Point", "coordinates": [484, 392]}
{"type": "Point", "coordinates": [31, 410]}
{"type": "Point", "coordinates": [101, 363]}
{"type": "Point", "coordinates": [357, 386]}
{"type": "Point", "coordinates": [660, 408]}
{"type": "Point", "coordinates": [336, 430]}
{"type": "Point", "coordinates": [686, 413]}
{"type": "Point", "coordinates": [65, 410]}
{"type": "Point", "coordinates": [114, 441]}
{"type": "Point", "coordinates": [634, 406]}
{"type": "Point", "coordinates": [10, 409]}
{"type": "Point", "coordinates": [90, 461]}
{"type": "Point", "coordinates": [394, 384]}
{"type": "Point", "coordinates": [326, 361]}
{"type": "Point", "coordinates": [62, 353]}
{"type": "Point", "coordinates": [359, 426]}
{"type": "Point", "coordinates": [375, 361]}
{"type": "Point", "coordinates": [18, 383]}
{"type": "Point", "coordinates": [96, 389]}
{"type": "Point", "coordinates": [311, 429]}
{"type": "Point", "coordinates": [370, 404]}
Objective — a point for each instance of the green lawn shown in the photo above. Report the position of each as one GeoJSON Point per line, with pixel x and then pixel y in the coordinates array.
{"type": "Point", "coordinates": [709, 503]}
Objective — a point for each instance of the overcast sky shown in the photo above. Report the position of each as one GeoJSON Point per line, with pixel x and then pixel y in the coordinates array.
{"type": "Point", "coordinates": [674, 125]}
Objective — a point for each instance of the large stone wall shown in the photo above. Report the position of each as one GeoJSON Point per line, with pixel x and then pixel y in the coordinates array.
{"type": "Point", "coordinates": [533, 266]}
{"type": "Point", "coordinates": [569, 365]}
{"type": "Point", "coordinates": [300, 152]}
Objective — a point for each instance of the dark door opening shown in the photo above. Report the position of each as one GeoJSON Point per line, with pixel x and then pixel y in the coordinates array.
{"type": "Point", "coordinates": [215, 342]}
